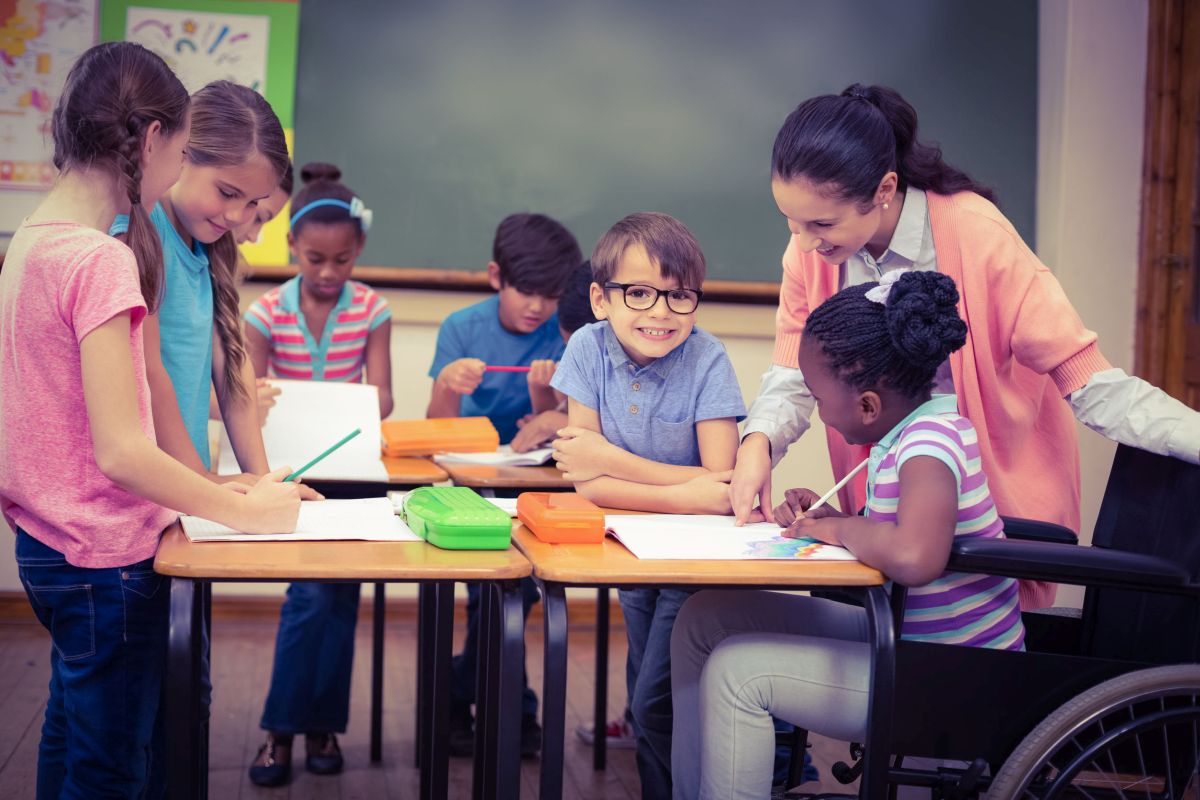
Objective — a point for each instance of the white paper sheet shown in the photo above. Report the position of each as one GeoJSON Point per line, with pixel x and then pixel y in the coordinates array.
{"type": "Point", "coordinates": [503, 457]}
{"type": "Point", "coordinates": [371, 520]}
{"type": "Point", "coordinates": [307, 418]}
{"type": "Point", "coordinates": [710, 537]}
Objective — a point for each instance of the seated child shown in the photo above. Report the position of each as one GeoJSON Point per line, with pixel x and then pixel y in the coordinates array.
{"type": "Point", "coordinates": [532, 257]}
{"type": "Point", "coordinates": [653, 407]}
{"type": "Point", "coordinates": [870, 355]}
{"type": "Point", "coordinates": [319, 326]}
{"type": "Point", "coordinates": [549, 407]}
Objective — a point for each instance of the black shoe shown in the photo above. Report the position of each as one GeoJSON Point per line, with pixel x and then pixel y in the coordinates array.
{"type": "Point", "coordinates": [462, 731]}
{"type": "Point", "coordinates": [323, 756]}
{"type": "Point", "coordinates": [531, 736]}
{"type": "Point", "coordinates": [273, 764]}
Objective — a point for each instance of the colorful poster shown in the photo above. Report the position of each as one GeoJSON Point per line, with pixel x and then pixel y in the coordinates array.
{"type": "Point", "coordinates": [39, 41]}
{"type": "Point", "coordinates": [202, 47]}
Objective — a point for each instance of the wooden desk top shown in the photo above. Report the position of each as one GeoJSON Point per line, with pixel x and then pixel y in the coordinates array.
{"type": "Point", "coordinates": [367, 561]}
{"type": "Point", "coordinates": [531, 478]}
{"type": "Point", "coordinates": [609, 563]}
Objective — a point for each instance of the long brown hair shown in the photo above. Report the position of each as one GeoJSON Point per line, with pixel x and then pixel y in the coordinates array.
{"type": "Point", "coordinates": [112, 95]}
{"type": "Point", "coordinates": [230, 123]}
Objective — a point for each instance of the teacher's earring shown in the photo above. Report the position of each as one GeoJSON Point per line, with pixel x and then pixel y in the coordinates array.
{"type": "Point", "coordinates": [885, 206]}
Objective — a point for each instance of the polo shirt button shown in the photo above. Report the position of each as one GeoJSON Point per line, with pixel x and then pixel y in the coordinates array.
{"type": "Point", "coordinates": [633, 409]}
{"type": "Point", "coordinates": [637, 387]}
{"type": "Point", "coordinates": [124, 576]}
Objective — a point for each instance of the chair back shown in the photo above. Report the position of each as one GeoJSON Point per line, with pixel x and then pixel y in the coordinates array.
{"type": "Point", "coordinates": [1151, 506]}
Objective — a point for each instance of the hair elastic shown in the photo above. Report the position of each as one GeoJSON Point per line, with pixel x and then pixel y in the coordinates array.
{"type": "Point", "coordinates": [879, 294]}
{"type": "Point", "coordinates": [355, 208]}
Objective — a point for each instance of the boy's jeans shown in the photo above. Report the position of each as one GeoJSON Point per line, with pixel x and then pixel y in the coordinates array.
{"type": "Point", "coordinates": [102, 737]}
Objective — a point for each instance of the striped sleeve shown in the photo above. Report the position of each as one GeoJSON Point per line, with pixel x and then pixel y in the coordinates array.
{"type": "Point", "coordinates": [378, 311]}
{"type": "Point", "coordinates": [259, 315]}
{"type": "Point", "coordinates": [936, 438]}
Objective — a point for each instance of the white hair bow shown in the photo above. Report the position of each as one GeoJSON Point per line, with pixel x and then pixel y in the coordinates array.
{"type": "Point", "coordinates": [360, 212]}
{"type": "Point", "coordinates": [879, 294]}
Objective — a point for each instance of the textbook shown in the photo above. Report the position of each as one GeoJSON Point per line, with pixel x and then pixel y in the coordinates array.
{"type": "Point", "coordinates": [502, 457]}
{"type": "Point", "coordinates": [372, 520]}
{"type": "Point", "coordinates": [310, 415]}
{"type": "Point", "coordinates": [712, 537]}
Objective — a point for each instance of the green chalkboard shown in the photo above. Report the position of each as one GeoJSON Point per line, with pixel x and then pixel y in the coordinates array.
{"type": "Point", "coordinates": [445, 115]}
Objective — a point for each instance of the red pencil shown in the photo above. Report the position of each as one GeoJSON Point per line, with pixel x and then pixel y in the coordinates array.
{"type": "Point", "coordinates": [491, 368]}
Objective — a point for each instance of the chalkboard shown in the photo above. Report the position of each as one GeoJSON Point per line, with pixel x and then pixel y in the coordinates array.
{"type": "Point", "coordinates": [446, 115]}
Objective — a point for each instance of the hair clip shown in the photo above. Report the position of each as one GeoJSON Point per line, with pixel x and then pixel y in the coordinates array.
{"type": "Point", "coordinates": [879, 294]}
{"type": "Point", "coordinates": [359, 211]}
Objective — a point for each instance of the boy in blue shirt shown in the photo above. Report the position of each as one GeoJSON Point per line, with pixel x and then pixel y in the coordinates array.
{"type": "Point", "coordinates": [532, 257]}
{"type": "Point", "coordinates": [653, 407]}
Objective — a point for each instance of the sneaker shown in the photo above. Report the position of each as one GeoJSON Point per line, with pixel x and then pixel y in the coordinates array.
{"type": "Point", "coordinates": [531, 736]}
{"type": "Point", "coordinates": [462, 731]}
{"type": "Point", "coordinates": [618, 735]}
{"type": "Point", "coordinates": [273, 764]}
{"type": "Point", "coordinates": [322, 754]}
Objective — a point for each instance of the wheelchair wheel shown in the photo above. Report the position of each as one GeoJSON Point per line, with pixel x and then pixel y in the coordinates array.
{"type": "Point", "coordinates": [1137, 735]}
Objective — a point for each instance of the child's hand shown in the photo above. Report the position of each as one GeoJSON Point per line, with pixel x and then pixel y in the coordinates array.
{"type": "Point", "coordinates": [266, 394]}
{"type": "Point", "coordinates": [581, 454]}
{"type": "Point", "coordinates": [536, 430]}
{"type": "Point", "coordinates": [541, 371]}
{"type": "Point", "coordinates": [825, 529]}
{"type": "Point", "coordinates": [795, 505]}
{"type": "Point", "coordinates": [272, 505]}
{"type": "Point", "coordinates": [706, 494]}
{"type": "Point", "coordinates": [462, 376]}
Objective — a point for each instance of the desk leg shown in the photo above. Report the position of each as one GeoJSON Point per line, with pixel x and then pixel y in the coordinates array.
{"type": "Point", "coordinates": [434, 751]}
{"type": "Point", "coordinates": [882, 638]}
{"type": "Point", "coordinates": [554, 689]}
{"type": "Point", "coordinates": [600, 706]}
{"type": "Point", "coordinates": [377, 630]}
{"type": "Point", "coordinates": [486, 681]}
{"type": "Point", "coordinates": [187, 774]}
{"type": "Point", "coordinates": [507, 705]}
{"type": "Point", "coordinates": [425, 624]}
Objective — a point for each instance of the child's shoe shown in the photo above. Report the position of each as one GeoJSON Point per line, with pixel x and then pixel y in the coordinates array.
{"type": "Point", "coordinates": [273, 764]}
{"type": "Point", "coordinates": [531, 736]}
{"type": "Point", "coordinates": [618, 733]}
{"type": "Point", "coordinates": [322, 754]}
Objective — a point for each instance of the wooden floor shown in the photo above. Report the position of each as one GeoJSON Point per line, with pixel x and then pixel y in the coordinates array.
{"type": "Point", "coordinates": [242, 654]}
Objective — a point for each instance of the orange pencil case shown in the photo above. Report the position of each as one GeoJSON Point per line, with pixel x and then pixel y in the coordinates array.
{"type": "Point", "coordinates": [561, 517]}
{"type": "Point", "coordinates": [425, 437]}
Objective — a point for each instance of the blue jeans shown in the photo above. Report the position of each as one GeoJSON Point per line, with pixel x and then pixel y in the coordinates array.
{"type": "Point", "coordinates": [314, 653]}
{"type": "Point", "coordinates": [464, 665]}
{"type": "Point", "coordinates": [649, 618]}
{"type": "Point", "coordinates": [103, 735]}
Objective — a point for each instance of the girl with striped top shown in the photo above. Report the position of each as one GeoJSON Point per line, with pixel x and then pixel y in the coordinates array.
{"type": "Point", "coordinates": [870, 355]}
{"type": "Point", "coordinates": [319, 326]}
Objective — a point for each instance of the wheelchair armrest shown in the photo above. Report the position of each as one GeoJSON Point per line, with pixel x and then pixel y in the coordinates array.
{"type": "Point", "coordinates": [1061, 563]}
{"type": "Point", "coordinates": [1032, 530]}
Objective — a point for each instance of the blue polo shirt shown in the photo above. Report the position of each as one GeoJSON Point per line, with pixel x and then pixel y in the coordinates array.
{"type": "Point", "coordinates": [476, 332]}
{"type": "Point", "coordinates": [185, 323]}
{"type": "Point", "coordinates": [651, 411]}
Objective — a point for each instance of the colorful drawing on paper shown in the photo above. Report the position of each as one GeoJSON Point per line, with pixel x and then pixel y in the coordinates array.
{"type": "Point", "coordinates": [203, 47]}
{"type": "Point", "coordinates": [781, 548]}
{"type": "Point", "coordinates": [39, 41]}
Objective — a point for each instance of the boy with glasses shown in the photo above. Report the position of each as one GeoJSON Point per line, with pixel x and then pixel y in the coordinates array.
{"type": "Point", "coordinates": [653, 407]}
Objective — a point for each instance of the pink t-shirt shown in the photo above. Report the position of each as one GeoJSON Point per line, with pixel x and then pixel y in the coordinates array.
{"type": "Point", "coordinates": [61, 281]}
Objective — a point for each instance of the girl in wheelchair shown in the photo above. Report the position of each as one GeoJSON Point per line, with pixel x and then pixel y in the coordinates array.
{"type": "Point", "coordinates": [870, 355]}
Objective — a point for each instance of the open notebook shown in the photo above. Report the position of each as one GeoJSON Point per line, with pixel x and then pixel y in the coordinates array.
{"type": "Point", "coordinates": [503, 457]}
{"type": "Point", "coordinates": [371, 520]}
{"type": "Point", "coordinates": [711, 537]}
{"type": "Point", "coordinates": [307, 418]}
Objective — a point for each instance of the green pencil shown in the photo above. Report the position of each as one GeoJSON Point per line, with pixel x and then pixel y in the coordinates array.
{"type": "Point", "coordinates": [341, 442]}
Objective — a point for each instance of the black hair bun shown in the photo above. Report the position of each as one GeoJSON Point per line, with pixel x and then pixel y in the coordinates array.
{"type": "Point", "coordinates": [319, 171]}
{"type": "Point", "coordinates": [922, 318]}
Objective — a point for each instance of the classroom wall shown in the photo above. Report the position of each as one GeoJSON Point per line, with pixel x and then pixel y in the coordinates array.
{"type": "Point", "coordinates": [1091, 81]}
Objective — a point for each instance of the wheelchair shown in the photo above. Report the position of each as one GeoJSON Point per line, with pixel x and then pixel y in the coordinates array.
{"type": "Point", "coordinates": [1103, 703]}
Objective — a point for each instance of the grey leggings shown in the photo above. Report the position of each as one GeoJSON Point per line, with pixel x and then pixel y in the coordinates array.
{"type": "Point", "coordinates": [737, 657]}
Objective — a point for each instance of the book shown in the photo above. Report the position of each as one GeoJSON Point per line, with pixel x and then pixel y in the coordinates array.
{"type": "Point", "coordinates": [307, 417]}
{"type": "Point", "coordinates": [712, 537]}
{"type": "Point", "coordinates": [502, 457]}
{"type": "Point", "coordinates": [372, 520]}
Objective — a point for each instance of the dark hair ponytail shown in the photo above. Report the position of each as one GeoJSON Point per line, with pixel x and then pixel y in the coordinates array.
{"type": "Point", "coordinates": [899, 344]}
{"type": "Point", "coordinates": [112, 95]}
{"type": "Point", "coordinates": [853, 139]}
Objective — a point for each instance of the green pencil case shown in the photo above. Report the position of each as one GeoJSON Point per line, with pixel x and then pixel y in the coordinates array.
{"type": "Point", "coordinates": [456, 518]}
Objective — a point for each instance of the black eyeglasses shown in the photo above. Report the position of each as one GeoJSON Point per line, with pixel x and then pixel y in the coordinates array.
{"type": "Point", "coordinates": [640, 297]}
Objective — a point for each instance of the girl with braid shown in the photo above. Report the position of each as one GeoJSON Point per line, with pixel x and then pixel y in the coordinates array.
{"type": "Point", "coordinates": [862, 197]}
{"type": "Point", "coordinates": [81, 480]}
{"type": "Point", "coordinates": [870, 355]}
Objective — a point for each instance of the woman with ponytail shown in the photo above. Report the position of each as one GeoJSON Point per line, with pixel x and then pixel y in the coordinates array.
{"type": "Point", "coordinates": [863, 196]}
{"type": "Point", "coordinates": [81, 480]}
{"type": "Point", "coordinates": [871, 354]}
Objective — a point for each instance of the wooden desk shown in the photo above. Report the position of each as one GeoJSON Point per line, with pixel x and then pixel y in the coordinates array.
{"type": "Point", "coordinates": [609, 564]}
{"type": "Point", "coordinates": [194, 567]}
{"type": "Point", "coordinates": [413, 471]}
{"type": "Point", "coordinates": [527, 478]}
